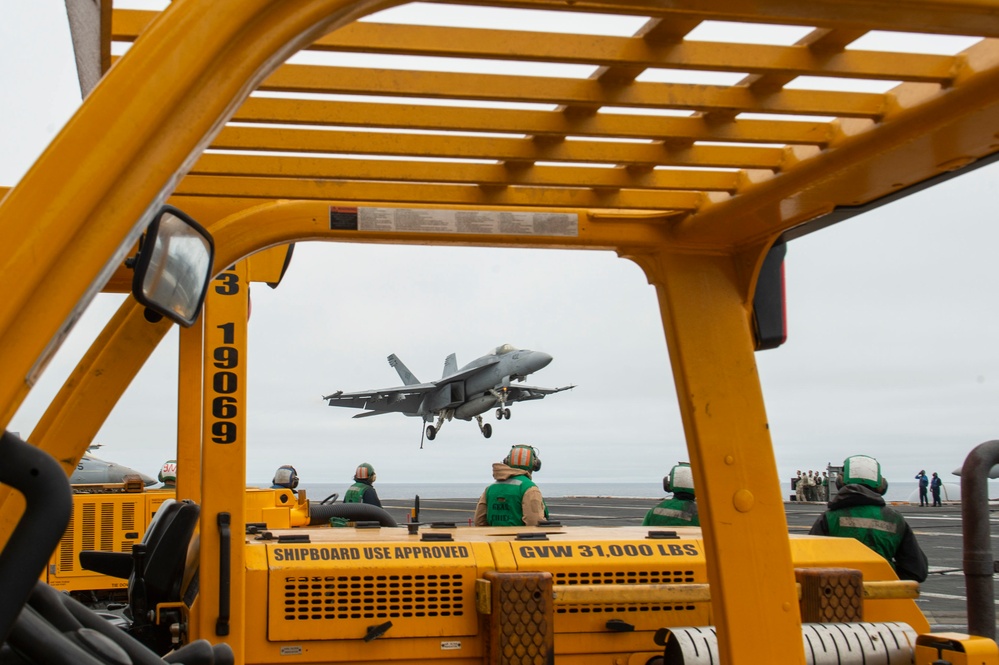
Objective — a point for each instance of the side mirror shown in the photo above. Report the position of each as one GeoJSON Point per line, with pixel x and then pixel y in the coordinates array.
{"type": "Point", "coordinates": [173, 266]}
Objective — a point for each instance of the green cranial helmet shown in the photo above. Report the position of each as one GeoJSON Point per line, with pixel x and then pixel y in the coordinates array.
{"type": "Point", "coordinates": [365, 472]}
{"type": "Point", "coordinates": [680, 479]}
{"type": "Point", "coordinates": [523, 457]}
{"type": "Point", "coordinates": [864, 470]}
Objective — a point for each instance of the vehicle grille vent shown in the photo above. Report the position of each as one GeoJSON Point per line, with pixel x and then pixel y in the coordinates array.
{"type": "Point", "coordinates": [107, 527]}
{"type": "Point", "coordinates": [624, 577]}
{"type": "Point", "coordinates": [98, 525]}
{"type": "Point", "coordinates": [127, 524]}
{"type": "Point", "coordinates": [66, 558]}
{"type": "Point", "coordinates": [89, 534]}
{"type": "Point", "coordinates": [374, 597]}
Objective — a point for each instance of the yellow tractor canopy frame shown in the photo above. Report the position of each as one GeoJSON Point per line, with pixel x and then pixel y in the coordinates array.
{"type": "Point", "coordinates": [701, 240]}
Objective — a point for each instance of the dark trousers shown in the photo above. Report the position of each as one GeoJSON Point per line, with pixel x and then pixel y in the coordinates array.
{"type": "Point", "coordinates": [923, 500]}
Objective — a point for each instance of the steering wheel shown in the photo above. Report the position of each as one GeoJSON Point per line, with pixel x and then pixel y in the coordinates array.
{"type": "Point", "coordinates": [330, 499]}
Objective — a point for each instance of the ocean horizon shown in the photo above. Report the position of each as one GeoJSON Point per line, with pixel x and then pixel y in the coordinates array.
{"type": "Point", "coordinates": [897, 491]}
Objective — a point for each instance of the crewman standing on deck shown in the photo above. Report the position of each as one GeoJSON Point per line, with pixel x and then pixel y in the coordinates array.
{"type": "Point", "coordinates": [924, 484]}
{"type": "Point", "coordinates": [810, 494]}
{"type": "Point", "coordinates": [680, 509]}
{"type": "Point", "coordinates": [859, 511]}
{"type": "Point", "coordinates": [514, 499]}
{"type": "Point", "coordinates": [935, 485]}
{"type": "Point", "coordinates": [362, 490]}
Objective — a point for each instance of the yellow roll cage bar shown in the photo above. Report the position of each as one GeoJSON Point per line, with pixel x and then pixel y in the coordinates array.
{"type": "Point", "coordinates": [696, 200]}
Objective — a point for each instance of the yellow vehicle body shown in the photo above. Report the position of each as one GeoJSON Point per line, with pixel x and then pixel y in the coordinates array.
{"type": "Point", "coordinates": [700, 237]}
{"type": "Point", "coordinates": [324, 596]}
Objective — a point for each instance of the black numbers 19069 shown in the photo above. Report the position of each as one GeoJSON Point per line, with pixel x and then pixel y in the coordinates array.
{"type": "Point", "coordinates": [225, 380]}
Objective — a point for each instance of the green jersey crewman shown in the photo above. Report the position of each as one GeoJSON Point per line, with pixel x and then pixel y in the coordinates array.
{"type": "Point", "coordinates": [680, 509]}
{"type": "Point", "coordinates": [859, 511]}
{"type": "Point", "coordinates": [513, 499]}
{"type": "Point", "coordinates": [362, 491]}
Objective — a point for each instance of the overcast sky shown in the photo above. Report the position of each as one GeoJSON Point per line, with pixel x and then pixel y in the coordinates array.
{"type": "Point", "coordinates": [893, 318]}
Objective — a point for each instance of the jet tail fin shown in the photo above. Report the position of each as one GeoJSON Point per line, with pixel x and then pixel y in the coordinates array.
{"type": "Point", "coordinates": [450, 366]}
{"type": "Point", "coordinates": [407, 377]}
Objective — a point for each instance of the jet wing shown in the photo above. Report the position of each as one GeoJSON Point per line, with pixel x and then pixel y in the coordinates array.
{"type": "Point", "coordinates": [401, 399]}
{"type": "Point", "coordinates": [519, 393]}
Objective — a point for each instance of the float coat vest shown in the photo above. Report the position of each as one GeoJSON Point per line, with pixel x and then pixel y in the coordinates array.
{"type": "Point", "coordinates": [505, 501]}
{"type": "Point", "coordinates": [878, 527]}
{"type": "Point", "coordinates": [673, 512]}
{"type": "Point", "coordinates": [355, 493]}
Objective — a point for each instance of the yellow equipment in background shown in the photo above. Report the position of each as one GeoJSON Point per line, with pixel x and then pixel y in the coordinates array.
{"type": "Point", "coordinates": [112, 518]}
{"type": "Point", "coordinates": [102, 521]}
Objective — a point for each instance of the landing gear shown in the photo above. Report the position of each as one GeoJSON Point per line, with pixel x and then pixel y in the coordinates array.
{"type": "Point", "coordinates": [486, 428]}
{"type": "Point", "coordinates": [502, 413]}
{"type": "Point", "coordinates": [506, 413]}
{"type": "Point", "coordinates": [436, 427]}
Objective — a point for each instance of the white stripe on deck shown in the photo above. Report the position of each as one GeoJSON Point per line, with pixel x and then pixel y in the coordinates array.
{"type": "Point", "coordinates": [944, 596]}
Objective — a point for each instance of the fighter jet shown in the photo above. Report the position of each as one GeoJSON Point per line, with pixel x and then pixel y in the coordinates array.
{"type": "Point", "coordinates": [94, 471]}
{"type": "Point", "coordinates": [465, 393]}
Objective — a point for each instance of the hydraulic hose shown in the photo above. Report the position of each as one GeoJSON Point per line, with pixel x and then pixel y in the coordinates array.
{"type": "Point", "coordinates": [321, 514]}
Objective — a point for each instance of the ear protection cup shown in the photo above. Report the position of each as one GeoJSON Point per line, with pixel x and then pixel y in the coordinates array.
{"type": "Point", "coordinates": [839, 481]}
{"type": "Point", "coordinates": [883, 487]}
{"type": "Point", "coordinates": [666, 487]}
{"type": "Point", "coordinates": [523, 457]}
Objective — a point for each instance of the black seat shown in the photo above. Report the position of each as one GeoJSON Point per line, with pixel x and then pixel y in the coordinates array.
{"type": "Point", "coordinates": [155, 570]}
{"type": "Point", "coordinates": [166, 542]}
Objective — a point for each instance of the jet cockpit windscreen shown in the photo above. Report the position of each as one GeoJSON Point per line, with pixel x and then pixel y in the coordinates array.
{"type": "Point", "coordinates": [506, 348]}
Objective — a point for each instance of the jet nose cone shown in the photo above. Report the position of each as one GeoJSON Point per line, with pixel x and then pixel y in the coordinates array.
{"type": "Point", "coordinates": [540, 359]}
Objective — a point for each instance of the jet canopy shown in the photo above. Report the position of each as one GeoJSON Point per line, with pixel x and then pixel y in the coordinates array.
{"type": "Point", "coordinates": [505, 348]}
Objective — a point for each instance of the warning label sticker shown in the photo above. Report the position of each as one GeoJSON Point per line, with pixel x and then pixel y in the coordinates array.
{"type": "Point", "coordinates": [424, 220]}
{"type": "Point", "coordinates": [370, 553]}
{"type": "Point", "coordinates": [608, 550]}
